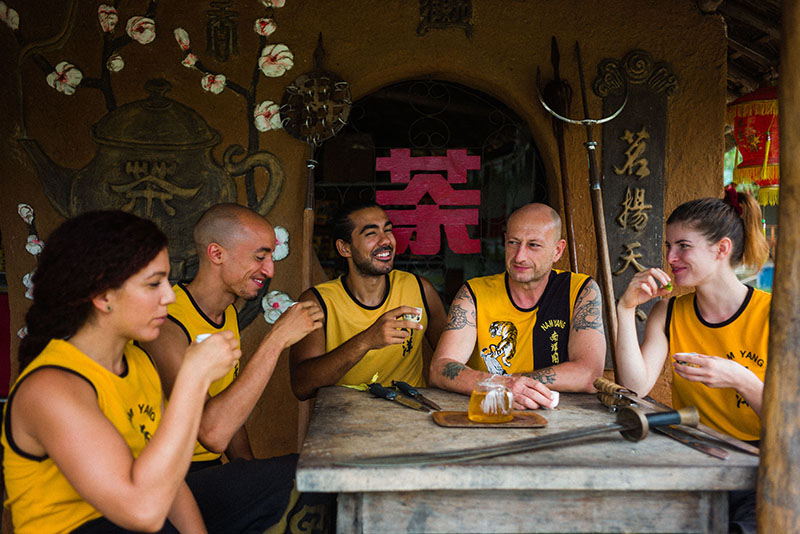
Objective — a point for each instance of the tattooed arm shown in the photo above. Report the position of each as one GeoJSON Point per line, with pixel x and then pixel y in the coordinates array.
{"type": "Point", "coordinates": [448, 366]}
{"type": "Point", "coordinates": [449, 370]}
{"type": "Point", "coordinates": [587, 346]}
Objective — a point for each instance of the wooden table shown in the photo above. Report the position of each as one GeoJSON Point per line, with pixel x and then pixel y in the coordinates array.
{"type": "Point", "coordinates": [599, 484]}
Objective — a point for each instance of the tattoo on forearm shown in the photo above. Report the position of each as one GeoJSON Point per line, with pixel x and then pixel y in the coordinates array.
{"type": "Point", "coordinates": [545, 376]}
{"type": "Point", "coordinates": [588, 314]}
{"type": "Point", "coordinates": [452, 369]}
{"type": "Point", "coordinates": [458, 318]}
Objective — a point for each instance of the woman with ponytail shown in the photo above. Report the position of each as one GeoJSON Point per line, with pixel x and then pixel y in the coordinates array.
{"type": "Point", "coordinates": [716, 336]}
{"type": "Point", "coordinates": [82, 453]}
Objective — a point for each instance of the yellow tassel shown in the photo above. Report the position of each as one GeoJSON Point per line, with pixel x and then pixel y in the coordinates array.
{"type": "Point", "coordinates": [766, 157]}
{"type": "Point", "coordinates": [768, 196]}
{"type": "Point", "coordinates": [756, 174]}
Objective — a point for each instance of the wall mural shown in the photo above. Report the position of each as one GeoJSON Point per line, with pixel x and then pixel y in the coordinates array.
{"type": "Point", "coordinates": [154, 157]}
{"type": "Point", "coordinates": [34, 246]}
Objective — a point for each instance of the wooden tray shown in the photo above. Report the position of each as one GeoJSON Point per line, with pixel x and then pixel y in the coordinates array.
{"type": "Point", "coordinates": [460, 420]}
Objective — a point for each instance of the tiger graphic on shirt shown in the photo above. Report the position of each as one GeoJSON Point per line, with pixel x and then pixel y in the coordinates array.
{"type": "Point", "coordinates": [504, 350]}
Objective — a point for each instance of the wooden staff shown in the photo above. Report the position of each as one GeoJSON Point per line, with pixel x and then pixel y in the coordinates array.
{"type": "Point", "coordinates": [308, 221]}
{"type": "Point", "coordinates": [558, 94]}
{"type": "Point", "coordinates": [596, 192]}
{"type": "Point", "coordinates": [609, 302]}
{"type": "Point", "coordinates": [779, 472]}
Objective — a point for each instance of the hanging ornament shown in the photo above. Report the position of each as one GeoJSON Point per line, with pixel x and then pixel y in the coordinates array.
{"type": "Point", "coordinates": [755, 129]}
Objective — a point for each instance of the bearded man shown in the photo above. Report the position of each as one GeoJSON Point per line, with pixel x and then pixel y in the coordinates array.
{"type": "Point", "coordinates": [365, 332]}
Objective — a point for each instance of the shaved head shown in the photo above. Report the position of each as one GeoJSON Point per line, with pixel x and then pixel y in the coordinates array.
{"type": "Point", "coordinates": [225, 224]}
{"type": "Point", "coordinates": [537, 214]}
{"type": "Point", "coordinates": [533, 244]}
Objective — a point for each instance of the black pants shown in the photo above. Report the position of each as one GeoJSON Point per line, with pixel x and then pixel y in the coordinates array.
{"type": "Point", "coordinates": [249, 496]}
{"type": "Point", "coordinates": [742, 512]}
{"type": "Point", "coordinates": [101, 525]}
{"type": "Point", "coordinates": [246, 496]}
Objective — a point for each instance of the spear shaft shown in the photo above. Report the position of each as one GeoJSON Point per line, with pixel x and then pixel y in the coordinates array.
{"type": "Point", "coordinates": [559, 93]}
{"type": "Point", "coordinates": [596, 193]}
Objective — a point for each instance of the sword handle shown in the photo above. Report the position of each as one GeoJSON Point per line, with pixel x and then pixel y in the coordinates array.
{"type": "Point", "coordinates": [604, 385]}
{"type": "Point", "coordinates": [405, 388]}
{"type": "Point", "coordinates": [638, 424]}
{"type": "Point", "coordinates": [685, 416]}
{"type": "Point", "coordinates": [379, 391]}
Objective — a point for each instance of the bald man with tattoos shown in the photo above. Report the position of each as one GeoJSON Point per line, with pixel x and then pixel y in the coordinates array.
{"type": "Point", "coordinates": [538, 327]}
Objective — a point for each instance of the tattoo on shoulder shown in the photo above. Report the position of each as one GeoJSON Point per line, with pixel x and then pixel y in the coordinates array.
{"type": "Point", "coordinates": [545, 376]}
{"type": "Point", "coordinates": [463, 293]}
{"type": "Point", "coordinates": [452, 369]}
{"type": "Point", "coordinates": [458, 318]}
{"type": "Point", "coordinates": [588, 310]}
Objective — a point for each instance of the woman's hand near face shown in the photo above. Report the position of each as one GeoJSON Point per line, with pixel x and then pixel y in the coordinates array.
{"type": "Point", "coordinates": [214, 356]}
{"type": "Point", "coordinates": [645, 286]}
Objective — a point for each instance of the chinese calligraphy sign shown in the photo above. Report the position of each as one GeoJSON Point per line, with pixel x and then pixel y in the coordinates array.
{"type": "Point", "coordinates": [452, 210]}
{"type": "Point", "coordinates": [634, 153]}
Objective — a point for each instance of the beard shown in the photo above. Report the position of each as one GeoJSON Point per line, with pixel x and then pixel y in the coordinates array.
{"type": "Point", "coordinates": [365, 266]}
{"type": "Point", "coordinates": [534, 275]}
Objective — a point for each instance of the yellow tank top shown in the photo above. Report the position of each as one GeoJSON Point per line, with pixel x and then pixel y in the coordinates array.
{"type": "Point", "coordinates": [346, 317]}
{"type": "Point", "coordinates": [515, 340]}
{"type": "Point", "coordinates": [187, 314]}
{"type": "Point", "coordinates": [40, 498]}
{"type": "Point", "coordinates": [742, 338]}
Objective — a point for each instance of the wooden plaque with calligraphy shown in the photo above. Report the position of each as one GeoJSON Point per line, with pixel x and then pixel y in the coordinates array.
{"type": "Point", "coordinates": [634, 148]}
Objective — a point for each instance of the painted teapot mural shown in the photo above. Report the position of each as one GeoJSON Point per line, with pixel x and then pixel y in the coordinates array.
{"type": "Point", "coordinates": [154, 158]}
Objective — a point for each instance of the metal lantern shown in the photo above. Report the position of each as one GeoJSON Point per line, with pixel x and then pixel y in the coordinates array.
{"type": "Point", "coordinates": [755, 128]}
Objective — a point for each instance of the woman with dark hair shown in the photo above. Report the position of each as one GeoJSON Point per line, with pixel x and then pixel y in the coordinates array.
{"type": "Point", "coordinates": [716, 335]}
{"type": "Point", "coordinates": [79, 430]}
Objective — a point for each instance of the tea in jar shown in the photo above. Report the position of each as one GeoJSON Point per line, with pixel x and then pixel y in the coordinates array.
{"type": "Point", "coordinates": [491, 402]}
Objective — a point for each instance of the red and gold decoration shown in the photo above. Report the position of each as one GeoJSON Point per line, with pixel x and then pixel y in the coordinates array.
{"type": "Point", "coordinates": [755, 128]}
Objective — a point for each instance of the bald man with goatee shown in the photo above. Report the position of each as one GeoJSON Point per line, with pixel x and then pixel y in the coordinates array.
{"type": "Point", "coordinates": [539, 328]}
{"type": "Point", "coordinates": [234, 248]}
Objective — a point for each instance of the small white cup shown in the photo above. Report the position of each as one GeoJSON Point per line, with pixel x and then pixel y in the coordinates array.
{"type": "Point", "coordinates": [416, 317]}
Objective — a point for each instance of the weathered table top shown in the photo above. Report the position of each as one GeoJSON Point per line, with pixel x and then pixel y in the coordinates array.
{"type": "Point", "coordinates": [347, 425]}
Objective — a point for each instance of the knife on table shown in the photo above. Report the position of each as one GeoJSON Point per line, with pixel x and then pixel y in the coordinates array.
{"type": "Point", "coordinates": [389, 394]}
{"type": "Point", "coordinates": [415, 394]}
{"type": "Point", "coordinates": [691, 441]}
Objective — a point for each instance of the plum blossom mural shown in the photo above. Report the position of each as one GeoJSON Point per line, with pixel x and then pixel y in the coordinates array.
{"type": "Point", "coordinates": [66, 76]}
{"type": "Point", "coordinates": [164, 170]}
{"type": "Point", "coordinates": [273, 60]}
{"type": "Point", "coordinates": [9, 16]}
{"type": "Point", "coordinates": [281, 243]}
{"type": "Point", "coordinates": [34, 246]}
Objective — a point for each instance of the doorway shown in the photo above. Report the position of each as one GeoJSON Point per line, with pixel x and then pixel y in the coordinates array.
{"type": "Point", "coordinates": [461, 161]}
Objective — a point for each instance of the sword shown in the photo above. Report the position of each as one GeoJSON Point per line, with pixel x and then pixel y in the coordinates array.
{"type": "Point", "coordinates": [389, 394]}
{"type": "Point", "coordinates": [412, 392]}
{"type": "Point", "coordinates": [606, 386]}
{"type": "Point", "coordinates": [614, 403]}
{"type": "Point", "coordinates": [631, 423]}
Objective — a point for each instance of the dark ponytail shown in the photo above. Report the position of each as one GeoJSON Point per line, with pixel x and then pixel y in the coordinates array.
{"type": "Point", "coordinates": [736, 216]}
{"type": "Point", "coordinates": [86, 255]}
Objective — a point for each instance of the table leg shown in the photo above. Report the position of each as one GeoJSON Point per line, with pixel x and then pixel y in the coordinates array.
{"type": "Point", "coordinates": [533, 511]}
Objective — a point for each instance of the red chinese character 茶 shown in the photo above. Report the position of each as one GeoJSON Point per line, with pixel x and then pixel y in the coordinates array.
{"type": "Point", "coordinates": [426, 219]}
